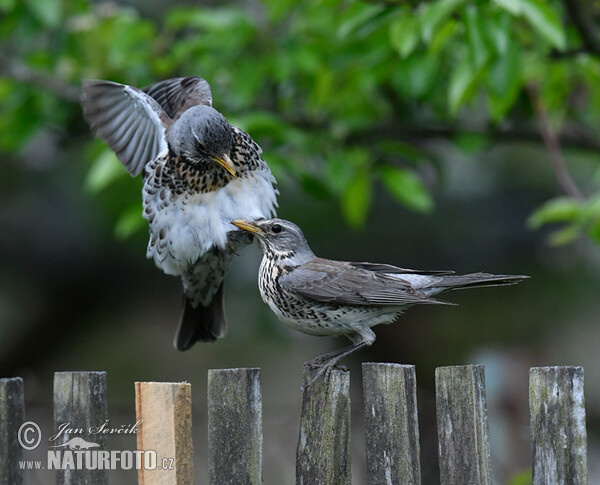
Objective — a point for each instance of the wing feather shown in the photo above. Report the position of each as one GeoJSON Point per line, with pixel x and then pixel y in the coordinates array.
{"type": "Point", "coordinates": [127, 119]}
{"type": "Point", "coordinates": [390, 269]}
{"type": "Point", "coordinates": [178, 94]}
{"type": "Point", "coordinates": [340, 282]}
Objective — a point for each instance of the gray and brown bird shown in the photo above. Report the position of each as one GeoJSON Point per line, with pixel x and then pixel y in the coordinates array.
{"type": "Point", "coordinates": [325, 297]}
{"type": "Point", "coordinates": [199, 173]}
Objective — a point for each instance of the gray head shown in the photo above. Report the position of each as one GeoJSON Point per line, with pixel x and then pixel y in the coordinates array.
{"type": "Point", "coordinates": [202, 136]}
{"type": "Point", "coordinates": [280, 239]}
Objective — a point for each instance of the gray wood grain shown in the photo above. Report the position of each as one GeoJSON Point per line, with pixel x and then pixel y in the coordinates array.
{"type": "Point", "coordinates": [12, 416]}
{"type": "Point", "coordinates": [464, 449]}
{"type": "Point", "coordinates": [323, 452]}
{"type": "Point", "coordinates": [557, 413]}
{"type": "Point", "coordinates": [234, 426]}
{"type": "Point", "coordinates": [80, 402]}
{"type": "Point", "coordinates": [391, 423]}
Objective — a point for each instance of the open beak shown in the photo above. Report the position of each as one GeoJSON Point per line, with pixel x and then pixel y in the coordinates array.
{"type": "Point", "coordinates": [248, 226]}
{"type": "Point", "coordinates": [226, 163]}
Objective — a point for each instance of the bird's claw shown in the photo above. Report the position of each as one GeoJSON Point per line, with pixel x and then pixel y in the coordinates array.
{"type": "Point", "coordinates": [324, 369]}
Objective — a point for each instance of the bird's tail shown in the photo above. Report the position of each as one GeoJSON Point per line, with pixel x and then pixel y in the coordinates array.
{"type": "Point", "coordinates": [203, 323]}
{"type": "Point", "coordinates": [457, 282]}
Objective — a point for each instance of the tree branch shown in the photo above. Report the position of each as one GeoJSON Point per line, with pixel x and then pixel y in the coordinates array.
{"type": "Point", "coordinates": [552, 145]}
{"type": "Point", "coordinates": [573, 136]}
{"type": "Point", "coordinates": [21, 72]}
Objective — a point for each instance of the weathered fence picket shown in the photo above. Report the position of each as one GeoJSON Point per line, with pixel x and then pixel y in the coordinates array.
{"type": "Point", "coordinates": [323, 453]}
{"type": "Point", "coordinates": [79, 404]}
{"type": "Point", "coordinates": [234, 426]}
{"type": "Point", "coordinates": [164, 411]}
{"type": "Point", "coordinates": [557, 410]}
{"type": "Point", "coordinates": [391, 423]}
{"type": "Point", "coordinates": [12, 416]}
{"type": "Point", "coordinates": [464, 447]}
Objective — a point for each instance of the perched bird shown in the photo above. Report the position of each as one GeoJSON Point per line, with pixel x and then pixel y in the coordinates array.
{"type": "Point", "coordinates": [324, 297]}
{"type": "Point", "coordinates": [199, 173]}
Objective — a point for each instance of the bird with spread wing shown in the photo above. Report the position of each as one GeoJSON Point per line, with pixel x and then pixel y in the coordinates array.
{"type": "Point", "coordinates": [199, 174]}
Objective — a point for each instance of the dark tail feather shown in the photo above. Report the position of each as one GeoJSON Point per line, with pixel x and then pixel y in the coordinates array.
{"type": "Point", "coordinates": [205, 324]}
{"type": "Point", "coordinates": [457, 282]}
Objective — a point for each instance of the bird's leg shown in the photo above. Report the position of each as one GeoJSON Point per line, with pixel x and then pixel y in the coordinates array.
{"type": "Point", "coordinates": [326, 363]}
{"type": "Point", "coordinates": [321, 359]}
{"type": "Point", "coordinates": [234, 238]}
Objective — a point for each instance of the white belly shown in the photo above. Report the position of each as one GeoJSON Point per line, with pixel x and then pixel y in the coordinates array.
{"type": "Point", "coordinates": [192, 224]}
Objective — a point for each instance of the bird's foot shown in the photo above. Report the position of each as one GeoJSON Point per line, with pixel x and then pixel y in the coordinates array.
{"type": "Point", "coordinates": [323, 369]}
{"type": "Point", "coordinates": [326, 363]}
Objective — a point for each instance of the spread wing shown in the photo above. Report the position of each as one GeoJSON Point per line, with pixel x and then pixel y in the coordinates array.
{"type": "Point", "coordinates": [178, 94]}
{"type": "Point", "coordinates": [127, 119]}
{"type": "Point", "coordinates": [340, 282]}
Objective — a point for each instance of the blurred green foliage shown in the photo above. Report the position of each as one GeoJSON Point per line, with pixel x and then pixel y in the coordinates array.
{"type": "Point", "coordinates": [340, 95]}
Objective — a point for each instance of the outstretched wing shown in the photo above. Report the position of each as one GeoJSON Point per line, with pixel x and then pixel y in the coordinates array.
{"type": "Point", "coordinates": [178, 94]}
{"type": "Point", "coordinates": [127, 119]}
{"type": "Point", "coordinates": [340, 282]}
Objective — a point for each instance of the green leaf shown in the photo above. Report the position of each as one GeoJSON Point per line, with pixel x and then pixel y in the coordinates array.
{"type": "Point", "coordinates": [504, 82]}
{"type": "Point", "coordinates": [49, 12]}
{"type": "Point", "coordinates": [434, 13]}
{"type": "Point", "coordinates": [564, 236]}
{"type": "Point", "coordinates": [442, 36]}
{"type": "Point", "coordinates": [476, 36]}
{"type": "Point", "coordinates": [365, 16]}
{"type": "Point", "coordinates": [7, 5]}
{"type": "Point", "coordinates": [416, 76]}
{"type": "Point", "coordinates": [562, 209]}
{"type": "Point", "coordinates": [546, 21]}
{"type": "Point", "coordinates": [404, 34]}
{"type": "Point", "coordinates": [105, 169]}
{"type": "Point", "coordinates": [463, 83]}
{"type": "Point", "coordinates": [594, 231]}
{"type": "Point", "coordinates": [406, 188]}
{"type": "Point", "coordinates": [356, 199]}
{"type": "Point", "coordinates": [499, 31]}
{"type": "Point", "coordinates": [514, 7]}
{"type": "Point", "coordinates": [129, 222]}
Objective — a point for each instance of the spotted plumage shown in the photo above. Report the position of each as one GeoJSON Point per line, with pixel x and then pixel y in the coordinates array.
{"type": "Point", "coordinates": [325, 297]}
{"type": "Point", "coordinates": [199, 173]}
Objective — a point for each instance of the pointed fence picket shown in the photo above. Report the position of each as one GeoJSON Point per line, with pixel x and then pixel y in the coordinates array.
{"type": "Point", "coordinates": [558, 430]}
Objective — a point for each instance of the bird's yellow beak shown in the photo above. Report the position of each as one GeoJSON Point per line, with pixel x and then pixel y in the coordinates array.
{"type": "Point", "coordinates": [226, 163]}
{"type": "Point", "coordinates": [248, 226]}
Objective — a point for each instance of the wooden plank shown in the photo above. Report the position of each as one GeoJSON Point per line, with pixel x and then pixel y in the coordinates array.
{"type": "Point", "coordinates": [80, 404]}
{"type": "Point", "coordinates": [557, 413]}
{"type": "Point", "coordinates": [464, 448]}
{"type": "Point", "coordinates": [323, 453]}
{"type": "Point", "coordinates": [234, 426]}
{"type": "Point", "coordinates": [165, 412]}
{"type": "Point", "coordinates": [12, 416]}
{"type": "Point", "coordinates": [391, 423]}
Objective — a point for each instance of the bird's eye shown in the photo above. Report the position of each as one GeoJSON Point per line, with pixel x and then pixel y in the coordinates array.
{"type": "Point", "coordinates": [276, 228]}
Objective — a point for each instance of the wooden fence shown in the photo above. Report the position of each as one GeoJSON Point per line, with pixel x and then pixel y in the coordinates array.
{"type": "Point", "coordinates": [556, 401]}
